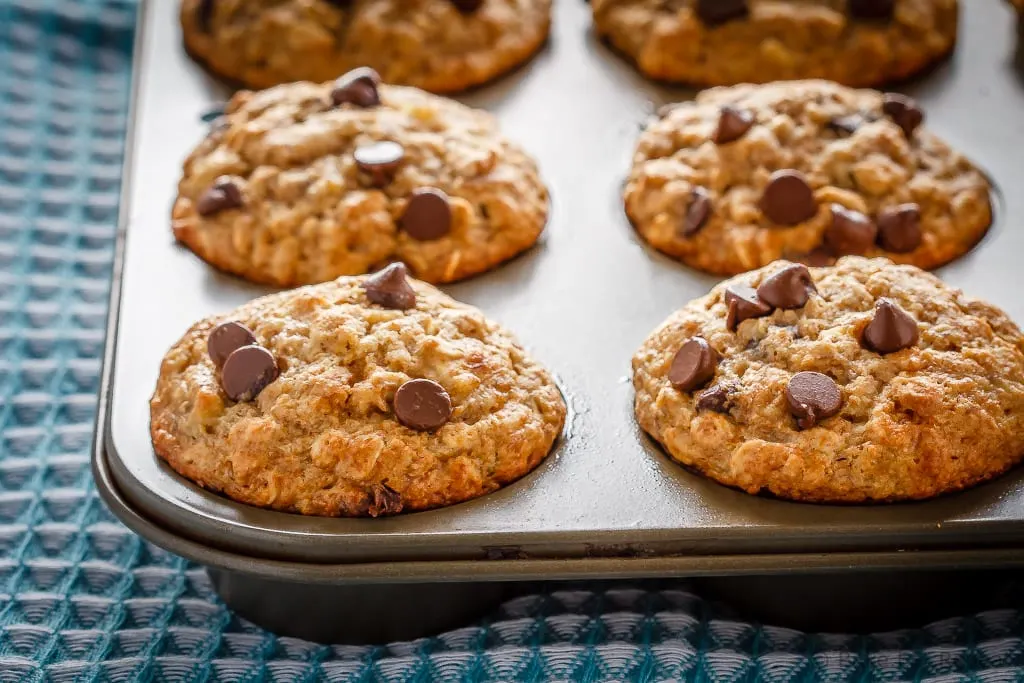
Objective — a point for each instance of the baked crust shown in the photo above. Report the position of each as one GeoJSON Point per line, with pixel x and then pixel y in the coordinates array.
{"type": "Point", "coordinates": [940, 416]}
{"type": "Point", "coordinates": [778, 40]}
{"type": "Point", "coordinates": [876, 167]}
{"type": "Point", "coordinates": [322, 439]}
{"type": "Point", "coordinates": [310, 215]}
{"type": "Point", "coordinates": [428, 44]}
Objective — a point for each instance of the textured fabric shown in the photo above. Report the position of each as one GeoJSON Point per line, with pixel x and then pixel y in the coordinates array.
{"type": "Point", "coordinates": [83, 599]}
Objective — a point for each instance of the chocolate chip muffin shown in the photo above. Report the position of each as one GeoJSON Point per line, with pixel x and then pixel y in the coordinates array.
{"type": "Point", "coordinates": [303, 183]}
{"type": "Point", "coordinates": [437, 45]}
{"type": "Point", "coordinates": [365, 396]}
{"type": "Point", "coordinates": [725, 42]}
{"type": "Point", "coordinates": [802, 170]}
{"type": "Point", "coordinates": [867, 381]}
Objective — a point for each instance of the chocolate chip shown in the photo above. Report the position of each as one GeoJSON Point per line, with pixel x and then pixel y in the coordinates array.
{"type": "Point", "coordinates": [891, 329]}
{"type": "Point", "coordinates": [847, 125]}
{"type": "Point", "coordinates": [386, 501]}
{"type": "Point", "coordinates": [390, 288]}
{"type": "Point", "coordinates": [812, 397]}
{"type": "Point", "coordinates": [899, 228]}
{"type": "Point", "coordinates": [467, 6]}
{"type": "Point", "coordinates": [819, 257]}
{"type": "Point", "coordinates": [732, 124]}
{"type": "Point", "coordinates": [850, 232]}
{"type": "Point", "coordinates": [903, 111]}
{"type": "Point", "coordinates": [871, 9]}
{"type": "Point", "coordinates": [428, 215]}
{"type": "Point", "coordinates": [788, 199]}
{"type": "Point", "coordinates": [717, 398]}
{"type": "Point", "coordinates": [380, 160]}
{"type": "Point", "coordinates": [225, 339]}
{"type": "Point", "coordinates": [221, 196]}
{"type": "Point", "coordinates": [743, 304]}
{"type": "Point", "coordinates": [247, 371]}
{"type": "Point", "coordinates": [693, 365]}
{"type": "Point", "coordinates": [714, 12]}
{"type": "Point", "coordinates": [422, 404]}
{"type": "Point", "coordinates": [788, 288]}
{"type": "Point", "coordinates": [698, 212]}
{"type": "Point", "coordinates": [204, 15]}
{"type": "Point", "coordinates": [358, 87]}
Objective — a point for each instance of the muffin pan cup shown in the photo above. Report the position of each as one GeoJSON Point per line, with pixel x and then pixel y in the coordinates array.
{"type": "Point", "coordinates": [607, 503]}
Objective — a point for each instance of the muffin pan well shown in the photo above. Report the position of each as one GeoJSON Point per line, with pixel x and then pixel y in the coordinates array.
{"type": "Point", "coordinates": [607, 503]}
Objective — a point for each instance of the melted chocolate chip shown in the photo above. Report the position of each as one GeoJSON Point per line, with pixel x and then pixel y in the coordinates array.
{"type": "Point", "coordinates": [903, 111]}
{"type": "Point", "coordinates": [467, 6]}
{"type": "Point", "coordinates": [732, 124]}
{"type": "Point", "coordinates": [221, 196]}
{"type": "Point", "coordinates": [788, 288]}
{"type": "Point", "coordinates": [422, 404]}
{"type": "Point", "coordinates": [227, 338]}
{"type": "Point", "coordinates": [358, 87]}
{"type": "Point", "coordinates": [390, 288]}
{"type": "Point", "coordinates": [714, 12]}
{"type": "Point", "coordinates": [693, 365]}
{"type": "Point", "coordinates": [204, 14]}
{"type": "Point", "coordinates": [850, 232]}
{"type": "Point", "coordinates": [890, 330]}
{"type": "Point", "coordinates": [846, 125]}
{"type": "Point", "coordinates": [788, 199]}
{"type": "Point", "coordinates": [717, 398]}
{"type": "Point", "coordinates": [428, 215]}
{"type": "Point", "coordinates": [743, 304]}
{"type": "Point", "coordinates": [385, 501]}
{"type": "Point", "coordinates": [380, 160]}
{"type": "Point", "coordinates": [871, 9]}
{"type": "Point", "coordinates": [813, 397]}
{"type": "Point", "coordinates": [818, 257]}
{"type": "Point", "coordinates": [698, 212]}
{"type": "Point", "coordinates": [899, 228]}
{"type": "Point", "coordinates": [247, 372]}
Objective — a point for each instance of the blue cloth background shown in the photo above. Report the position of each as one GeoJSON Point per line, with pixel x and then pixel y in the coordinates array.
{"type": "Point", "coordinates": [83, 599]}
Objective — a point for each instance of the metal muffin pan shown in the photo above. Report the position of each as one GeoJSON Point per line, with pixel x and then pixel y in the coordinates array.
{"type": "Point", "coordinates": [607, 503]}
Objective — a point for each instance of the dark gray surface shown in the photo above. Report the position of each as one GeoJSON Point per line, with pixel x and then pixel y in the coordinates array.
{"type": "Point", "coordinates": [582, 301]}
{"type": "Point", "coordinates": [862, 602]}
{"type": "Point", "coordinates": [357, 613]}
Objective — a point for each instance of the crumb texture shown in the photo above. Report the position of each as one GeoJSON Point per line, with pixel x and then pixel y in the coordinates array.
{"type": "Point", "coordinates": [308, 213]}
{"type": "Point", "coordinates": [428, 44]}
{"type": "Point", "coordinates": [870, 170]}
{"type": "Point", "coordinates": [323, 439]}
{"type": "Point", "coordinates": [940, 416]}
{"type": "Point", "coordinates": [778, 40]}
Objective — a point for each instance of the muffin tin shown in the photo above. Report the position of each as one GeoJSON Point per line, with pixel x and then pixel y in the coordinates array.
{"type": "Point", "coordinates": [606, 503]}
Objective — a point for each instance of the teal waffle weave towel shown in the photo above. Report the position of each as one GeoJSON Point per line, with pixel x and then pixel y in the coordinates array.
{"type": "Point", "coordinates": [83, 599]}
